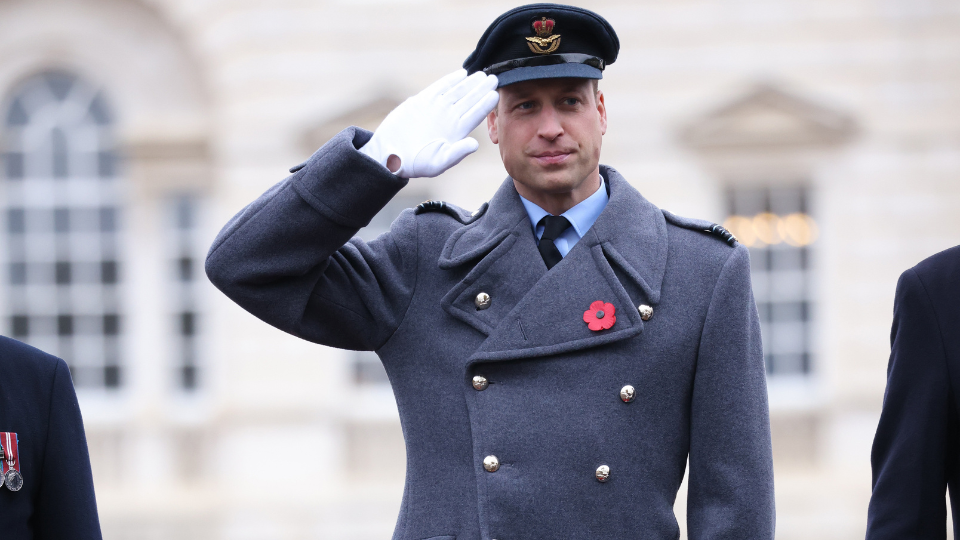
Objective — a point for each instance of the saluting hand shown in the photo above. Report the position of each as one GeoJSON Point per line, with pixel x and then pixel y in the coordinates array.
{"type": "Point", "coordinates": [428, 133]}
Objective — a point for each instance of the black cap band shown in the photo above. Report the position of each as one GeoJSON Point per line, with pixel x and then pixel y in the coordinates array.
{"type": "Point", "coordinates": [545, 41]}
{"type": "Point", "coordinates": [549, 60]}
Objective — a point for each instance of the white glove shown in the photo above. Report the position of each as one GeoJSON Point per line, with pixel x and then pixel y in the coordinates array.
{"type": "Point", "coordinates": [428, 131]}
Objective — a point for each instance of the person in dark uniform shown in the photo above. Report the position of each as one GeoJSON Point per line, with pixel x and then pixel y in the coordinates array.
{"type": "Point", "coordinates": [558, 355]}
{"type": "Point", "coordinates": [47, 492]}
{"type": "Point", "coordinates": [916, 451]}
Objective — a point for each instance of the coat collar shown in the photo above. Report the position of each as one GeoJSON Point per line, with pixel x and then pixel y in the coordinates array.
{"type": "Point", "coordinates": [504, 216]}
{"type": "Point", "coordinates": [533, 312]}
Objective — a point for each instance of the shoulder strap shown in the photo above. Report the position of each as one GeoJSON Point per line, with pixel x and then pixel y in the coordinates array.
{"type": "Point", "coordinates": [455, 212]}
{"type": "Point", "coordinates": [701, 225]}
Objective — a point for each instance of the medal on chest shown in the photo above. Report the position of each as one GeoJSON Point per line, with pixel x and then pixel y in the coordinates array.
{"type": "Point", "coordinates": [10, 455]}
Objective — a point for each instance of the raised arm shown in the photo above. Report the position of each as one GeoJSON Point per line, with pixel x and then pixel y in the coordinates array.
{"type": "Point", "coordinates": [289, 257]}
{"type": "Point", "coordinates": [731, 464]}
{"type": "Point", "coordinates": [286, 257]}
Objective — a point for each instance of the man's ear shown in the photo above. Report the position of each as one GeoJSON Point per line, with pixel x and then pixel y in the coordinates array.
{"type": "Point", "coordinates": [492, 127]}
{"type": "Point", "coordinates": [602, 109]}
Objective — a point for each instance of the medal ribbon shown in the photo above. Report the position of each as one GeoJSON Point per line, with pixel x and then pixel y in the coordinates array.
{"type": "Point", "coordinates": [11, 458]}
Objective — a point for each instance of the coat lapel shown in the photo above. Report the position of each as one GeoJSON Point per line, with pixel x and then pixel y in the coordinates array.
{"type": "Point", "coordinates": [506, 262]}
{"type": "Point", "coordinates": [533, 312]}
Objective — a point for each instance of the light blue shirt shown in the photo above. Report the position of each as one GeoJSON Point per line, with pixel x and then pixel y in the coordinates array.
{"type": "Point", "coordinates": [581, 217]}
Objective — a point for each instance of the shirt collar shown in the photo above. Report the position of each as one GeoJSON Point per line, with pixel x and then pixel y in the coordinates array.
{"type": "Point", "coordinates": [581, 216]}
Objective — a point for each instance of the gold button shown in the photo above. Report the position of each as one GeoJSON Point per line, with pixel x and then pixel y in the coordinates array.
{"type": "Point", "coordinates": [627, 393]}
{"type": "Point", "coordinates": [491, 463]}
{"type": "Point", "coordinates": [603, 473]}
{"type": "Point", "coordinates": [645, 312]}
{"type": "Point", "coordinates": [480, 383]}
{"type": "Point", "coordinates": [482, 301]}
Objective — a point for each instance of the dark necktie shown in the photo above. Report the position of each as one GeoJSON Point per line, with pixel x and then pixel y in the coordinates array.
{"type": "Point", "coordinates": [553, 227]}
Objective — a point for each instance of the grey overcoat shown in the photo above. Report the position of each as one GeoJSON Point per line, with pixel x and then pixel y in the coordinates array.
{"type": "Point", "coordinates": [552, 412]}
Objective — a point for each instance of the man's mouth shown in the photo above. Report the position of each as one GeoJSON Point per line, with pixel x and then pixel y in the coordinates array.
{"type": "Point", "coordinates": [553, 157]}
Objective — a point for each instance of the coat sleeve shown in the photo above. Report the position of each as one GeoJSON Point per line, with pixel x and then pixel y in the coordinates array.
{"type": "Point", "coordinates": [916, 437]}
{"type": "Point", "coordinates": [289, 257]}
{"type": "Point", "coordinates": [66, 507]}
{"type": "Point", "coordinates": [731, 464]}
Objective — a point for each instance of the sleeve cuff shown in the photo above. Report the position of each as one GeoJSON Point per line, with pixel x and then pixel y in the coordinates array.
{"type": "Point", "coordinates": [343, 183]}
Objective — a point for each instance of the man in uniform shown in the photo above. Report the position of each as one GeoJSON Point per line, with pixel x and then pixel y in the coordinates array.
{"type": "Point", "coordinates": [916, 451]}
{"type": "Point", "coordinates": [46, 491]}
{"type": "Point", "coordinates": [558, 355]}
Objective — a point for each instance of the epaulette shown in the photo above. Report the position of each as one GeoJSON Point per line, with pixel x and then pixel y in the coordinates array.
{"type": "Point", "coordinates": [701, 225]}
{"type": "Point", "coordinates": [456, 213]}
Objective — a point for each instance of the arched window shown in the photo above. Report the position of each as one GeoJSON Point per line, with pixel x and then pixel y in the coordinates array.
{"type": "Point", "coordinates": [61, 197]}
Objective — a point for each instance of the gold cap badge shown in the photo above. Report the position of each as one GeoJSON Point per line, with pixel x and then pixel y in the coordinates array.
{"type": "Point", "coordinates": [544, 42]}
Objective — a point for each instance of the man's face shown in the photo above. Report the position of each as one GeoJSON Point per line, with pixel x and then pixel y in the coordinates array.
{"type": "Point", "coordinates": [549, 132]}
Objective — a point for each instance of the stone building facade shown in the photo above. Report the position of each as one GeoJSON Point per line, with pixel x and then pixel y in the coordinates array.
{"type": "Point", "coordinates": [825, 133]}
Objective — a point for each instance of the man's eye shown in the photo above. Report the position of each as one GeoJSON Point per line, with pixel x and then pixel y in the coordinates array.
{"type": "Point", "coordinates": [526, 105]}
{"type": "Point", "coordinates": [572, 101]}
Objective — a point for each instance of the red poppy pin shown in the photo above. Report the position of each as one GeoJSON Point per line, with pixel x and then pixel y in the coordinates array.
{"type": "Point", "coordinates": [600, 316]}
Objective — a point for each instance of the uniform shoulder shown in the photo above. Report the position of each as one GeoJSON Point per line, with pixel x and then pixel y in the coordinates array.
{"type": "Point", "coordinates": [701, 225]}
{"type": "Point", "coordinates": [18, 357]}
{"type": "Point", "coordinates": [945, 262]}
{"type": "Point", "coordinates": [459, 214]}
{"type": "Point", "coordinates": [938, 272]}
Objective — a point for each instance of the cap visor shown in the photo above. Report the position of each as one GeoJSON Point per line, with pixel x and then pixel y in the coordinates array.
{"type": "Point", "coordinates": [556, 71]}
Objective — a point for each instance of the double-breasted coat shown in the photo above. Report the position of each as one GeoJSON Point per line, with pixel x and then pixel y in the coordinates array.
{"type": "Point", "coordinates": [551, 412]}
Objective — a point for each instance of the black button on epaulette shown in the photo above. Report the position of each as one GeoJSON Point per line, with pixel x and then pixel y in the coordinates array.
{"type": "Point", "coordinates": [432, 206]}
{"type": "Point", "coordinates": [727, 236]}
{"type": "Point", "coordinates": [703, 226]}
{"type": "Point", "coordinates": [450, 210]}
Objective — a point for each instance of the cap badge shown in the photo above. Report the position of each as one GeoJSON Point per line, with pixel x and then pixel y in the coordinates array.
{"type": "Point", "coordinates": [545, 42]}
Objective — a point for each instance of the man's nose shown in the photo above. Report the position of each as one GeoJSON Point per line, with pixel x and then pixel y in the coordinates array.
{"type": "Point", "coordinates": [550, 125]}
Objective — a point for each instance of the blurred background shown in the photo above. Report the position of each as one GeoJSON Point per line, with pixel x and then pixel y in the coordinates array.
{"type": "Point", "coordinates": [824, 133]}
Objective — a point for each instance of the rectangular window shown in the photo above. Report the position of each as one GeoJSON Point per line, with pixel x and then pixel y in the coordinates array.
{"type": "Point", "coordinates": [111, 324]}
{"type": "Point", "coordinates": [185, 249]}
{"type": "Point", "coordinates": [111, 376]}
{"type": "Point", "coordinates": [20, 326]}
{"type": "Point", "coordinates": [106, 164]}
{"type": "Point", "coordinates": [14, 165]}
{"type": "Point", "coordinates": [64, 325]}
{"type": "Point", "coordinates": [68, 236]}
{"type": "Point", "coordinates": [61, 153]}
{"type": "Point", "coordinates": [185, 268]}
{"type": "Point", "coordinates": [775, 224]}
{"type": "Point", "coordinates": [187, 323]}
{"type": "Point", "coordinates": [108, 220]}
{"type": "Point", "coordinates": [108, 272]}
{"type": "Point", "coordinates": [61, 220]}
{"type": "Point", "coordinates": [188, 367]}
{"type": "Point", "coordinates": [18, 273]}
{"type": "Point", "coordinates": [16, 220]}
{"type": "Point", "coordinates": [62, 274]}
{"type": "Point", "coordinates": [188, 377]}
